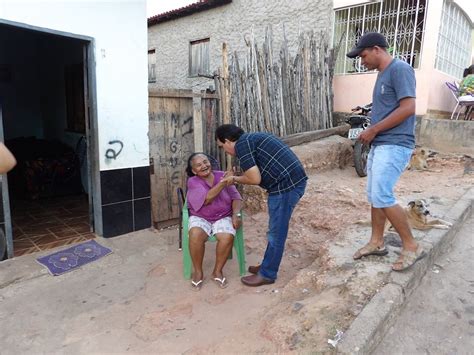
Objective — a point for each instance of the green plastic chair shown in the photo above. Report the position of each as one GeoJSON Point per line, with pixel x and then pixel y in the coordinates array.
{"type": "Point", "coordinates": [187, 262]}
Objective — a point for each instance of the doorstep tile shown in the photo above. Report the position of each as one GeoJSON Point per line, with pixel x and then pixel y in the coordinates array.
{"type": "Point", "coordinates": [45, 239]}
{"type": "Point", "coordinates": [62, 231]}
{"type": "Point", "coordinates": [20, 252]}
{"type": "Point", "coordinates": [88, 236]}
{"type": "Point", "coordinates": [60, 243]}
{"type": "Point", "coordinates": [23, 244]}
{"type": "Point", "coordinates": [80, 228]}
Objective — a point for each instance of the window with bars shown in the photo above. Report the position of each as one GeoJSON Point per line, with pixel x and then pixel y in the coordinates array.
{"type": "Point", "coordinates": [199, 57]}
{"type": "Point", "coordinates": [402, 22]}
{"type": "Point", "coordinates": [151, 66]}
{"type": "Point", "coordinates": [453, 52]}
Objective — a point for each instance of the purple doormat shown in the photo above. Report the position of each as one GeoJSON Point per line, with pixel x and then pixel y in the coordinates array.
{"type": "Point", "coordinates": [74, 257]}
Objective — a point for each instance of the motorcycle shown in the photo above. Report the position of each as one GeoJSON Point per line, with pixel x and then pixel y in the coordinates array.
{"type": "Point", "coordinates": [359, 121]}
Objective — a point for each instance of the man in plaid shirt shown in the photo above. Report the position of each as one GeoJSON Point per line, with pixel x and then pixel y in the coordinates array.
{"type": "Point", "coordinates": [268, 162]}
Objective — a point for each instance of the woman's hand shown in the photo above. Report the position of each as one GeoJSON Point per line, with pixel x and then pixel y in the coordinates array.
{"type": "Point", "coordinates": [229, 180]}
{"type": "Point", "coordinates": [237, 220]}
{"type": "Point", "coordinates": [229, 173]}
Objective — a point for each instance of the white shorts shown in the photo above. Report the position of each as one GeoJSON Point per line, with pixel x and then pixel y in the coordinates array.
{"type": "Point", "coordinates": [223, 225]}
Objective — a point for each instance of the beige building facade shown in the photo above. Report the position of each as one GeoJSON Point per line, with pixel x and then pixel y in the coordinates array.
{"type": "Point", "coordinates": [185, 45]}
{"type": "Point", "coordinates": [434, 36]}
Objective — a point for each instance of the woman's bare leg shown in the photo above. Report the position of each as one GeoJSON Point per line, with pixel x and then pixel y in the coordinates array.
{"type": "Point", "coordinates": [225, 242]}
{"type": "Point", "coordinates": [197, 240]}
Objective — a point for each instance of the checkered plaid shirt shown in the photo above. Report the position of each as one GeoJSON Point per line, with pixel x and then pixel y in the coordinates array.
{"type": "Point", "coordinates": [279, 167]}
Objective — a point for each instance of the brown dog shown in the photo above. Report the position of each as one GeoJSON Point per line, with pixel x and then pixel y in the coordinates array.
{"type": "Point", "coordinates": [419, 159]}
{"type": "Point", "coordinates": [417, 213]}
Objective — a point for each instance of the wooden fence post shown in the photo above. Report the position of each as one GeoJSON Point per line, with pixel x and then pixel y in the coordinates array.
{"type": "Point", "coordinates": [226, 96]}
{"type": "Point", "coordinates": [292, 95]}
{"type": "Point", "coordinates": [197, 122]}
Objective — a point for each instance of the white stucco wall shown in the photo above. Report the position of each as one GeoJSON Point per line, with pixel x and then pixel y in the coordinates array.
{"type": "Point", "coordinates": [119, 32]}
{"type": "Point", "coordinates": [231, 23]}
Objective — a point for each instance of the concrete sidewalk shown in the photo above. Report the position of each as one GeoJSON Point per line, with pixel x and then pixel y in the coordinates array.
{"type": "Point", "coordinates": [370, 326]}
{"type": "Point", "coordinates": [439, 315]}
{"type": "Point", "coordinates": [134, 300]}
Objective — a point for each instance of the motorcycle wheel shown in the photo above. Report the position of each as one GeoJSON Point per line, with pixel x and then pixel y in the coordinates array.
{"type": "Point", "coordinates": [361, 152]}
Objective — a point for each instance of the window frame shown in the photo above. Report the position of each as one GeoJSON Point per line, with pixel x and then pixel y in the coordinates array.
{"type": "Point", "coordinates": [454, 37]}
{"type": "Point", "coordinates": [152, 66]}
{"type": "Point", "coordinates": [389, 17]}
{"type": "Point", "coordinates": [205, 71]}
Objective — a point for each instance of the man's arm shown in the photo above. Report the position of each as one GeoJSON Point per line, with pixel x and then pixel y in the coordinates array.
{"type": "Point", "coordinates": [401, 113]}
{"type": "Point", "coordinates": [7, 160]}
{"type": "Point", "coordinates": [250, 177]}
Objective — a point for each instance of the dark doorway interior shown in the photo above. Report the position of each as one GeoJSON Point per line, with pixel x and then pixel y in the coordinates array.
{"type": "Point", "coordinates": [42, 90]}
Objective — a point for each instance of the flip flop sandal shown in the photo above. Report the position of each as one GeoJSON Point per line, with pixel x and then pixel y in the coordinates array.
{"type": "Point", "coordinates": [370, 249]}
{"type": "Point", "coordinates": [408, 259]}
{"type": "Point", "coordinates": [222, 283]}
{"type": "Point", "coordinates": [196, 285]}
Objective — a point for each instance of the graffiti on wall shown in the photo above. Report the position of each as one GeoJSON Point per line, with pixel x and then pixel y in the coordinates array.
{"type": "Point", "coordinates": [171, 142]}
{"type": "Point", "coordinates": [115, 150]}
{"type": "Point", "coordinates": [177, 156]}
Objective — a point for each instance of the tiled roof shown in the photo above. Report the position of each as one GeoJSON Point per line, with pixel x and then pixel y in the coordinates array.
{"type": "Point", "coordinates": [190, 9]}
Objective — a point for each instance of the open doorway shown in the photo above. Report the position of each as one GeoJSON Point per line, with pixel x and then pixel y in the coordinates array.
{"type": "Point", "coordinates": [43, 98]}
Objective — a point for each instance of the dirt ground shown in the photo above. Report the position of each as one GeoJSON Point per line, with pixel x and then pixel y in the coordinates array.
{"type": "Point", "coordinates": [320, 289]}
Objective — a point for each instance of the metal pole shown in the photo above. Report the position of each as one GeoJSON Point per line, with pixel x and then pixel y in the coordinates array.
{"type": "Point", "coordinates": [414, 33]}
{"type": "Point", "coordinates": [347, 37]}
{"type": "Point", "coordinates": [6, 201]}
{"type": "Point", "coordinates": [396, 30]}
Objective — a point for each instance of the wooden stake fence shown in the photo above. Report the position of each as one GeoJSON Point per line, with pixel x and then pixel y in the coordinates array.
{"type": "Point", "coordinates": [291, 95]}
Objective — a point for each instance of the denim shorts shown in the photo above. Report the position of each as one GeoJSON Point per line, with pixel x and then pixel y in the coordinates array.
{"type": "Point", "coordinates": [385, 165]}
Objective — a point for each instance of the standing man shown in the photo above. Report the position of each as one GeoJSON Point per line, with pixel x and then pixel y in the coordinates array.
{"type": "Point", "coordinates": [268, 162]}
{"type": "Point", "coordinates": [392, 137]}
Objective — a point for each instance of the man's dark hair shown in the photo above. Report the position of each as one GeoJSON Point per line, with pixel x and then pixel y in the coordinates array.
{"type": "Point", "coordinates": [228, 131]}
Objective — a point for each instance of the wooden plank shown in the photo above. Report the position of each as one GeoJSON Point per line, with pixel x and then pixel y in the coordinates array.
{"type": "Point", "coordinates": [198, 125]}
{"type": "Point", "coordinates": [225, 93]}
{"type": "Point", "coordinates": [185, 135]}
{"type": "Point", "coordinates": [171, 142]}
{"type": "Point", "coordinates": [305, 137]}
{"type": "Point", "coordinates": [157, 147]}
{"type": "Point", "coordinates": [180, 94]}
{"type": "Point", "coordinates": [307, 83]}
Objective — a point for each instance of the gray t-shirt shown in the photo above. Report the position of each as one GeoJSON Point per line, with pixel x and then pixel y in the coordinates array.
{"type": "Point", "coordinates": [395, 82]}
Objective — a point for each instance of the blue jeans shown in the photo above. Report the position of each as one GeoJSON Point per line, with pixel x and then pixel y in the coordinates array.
{"type": "Point", "coordinates": [280, 208]}
{"type": "Point", "coordinates": [385, 165]}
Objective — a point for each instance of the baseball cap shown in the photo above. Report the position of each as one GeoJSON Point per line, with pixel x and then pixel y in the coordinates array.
{"type": "Point", "coordinates": [369, 39]}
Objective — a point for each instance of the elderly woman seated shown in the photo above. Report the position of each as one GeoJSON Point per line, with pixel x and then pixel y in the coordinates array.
{"type": "Point", "coordinates": [214, 209]}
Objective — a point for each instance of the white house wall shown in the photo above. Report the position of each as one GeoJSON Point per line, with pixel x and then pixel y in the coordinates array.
{"type": "Point", "coordinates": [119, 31]}
{"type": "Point", "coordinates": [230, 23]}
